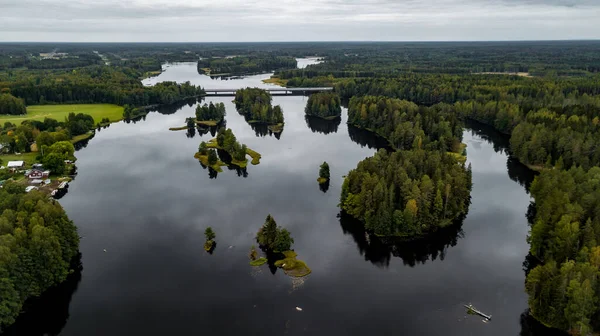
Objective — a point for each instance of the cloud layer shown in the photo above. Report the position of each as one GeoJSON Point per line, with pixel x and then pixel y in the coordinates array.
{"type": "Point", "coordinates": [298, 20]}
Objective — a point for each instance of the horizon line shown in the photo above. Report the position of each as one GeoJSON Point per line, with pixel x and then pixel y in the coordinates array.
{"type": "Point", "coordinates": [307, 41]}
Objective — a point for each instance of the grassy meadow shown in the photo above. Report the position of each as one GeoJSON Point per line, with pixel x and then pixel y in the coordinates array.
{"type": "Point", "coordinates": [60, 112]}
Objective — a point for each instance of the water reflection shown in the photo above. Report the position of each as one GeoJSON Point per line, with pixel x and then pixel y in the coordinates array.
{"type": "Point", "coordinates": [379, 251]}
{"type": "Point", "coordinates": [262, 130]}
{"type": "Point", "coordinates": [366, 138]}
{"type": "Point", "coordinates": [320, 125]}
{"type": "Point", "coordinates": [324, 186]}
{"type": "Point", "coordinates": [531, 327]}
{"type": "Point", "coordinates": [517, 171]}
{"type": "Point", "coordinates": [172, 108]}
{"type": "Point", "coordinates": [48, 314]}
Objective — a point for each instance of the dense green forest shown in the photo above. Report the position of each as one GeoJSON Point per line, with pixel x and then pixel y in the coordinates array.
{"type": "Point", "coordinates": [210, 112]}
{"type": "Point", "coordinates": [564, 292]}
{"type": "Point", "coordinates": [245, 64]}
{"type": "Point", "coordinates": [10, 104]}
{"type": "Point", "coordinates": [407, 193]}
{"type": "Point", "coordinates": [255, 105]}
{"type": "Point", "coordinates": [37, 244]}
{"type": "Point", "coordinates": [324, 105]}
{"type": "Point", "coordinates": [406, 125]}
{"type": "Point", "coordinates": [19, 138]}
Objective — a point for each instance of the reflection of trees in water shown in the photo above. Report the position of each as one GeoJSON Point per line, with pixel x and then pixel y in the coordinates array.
{"type": "Point", "coordinates": [203, 130]}
{"type": "Point", "coordinates": [190, 133]}
{"type": "Point", "coordinates": [366, 138]}
{"type": "Point", "coordinates": [517, 171]}
{"type": "Point", "coordinates": [226, 158]}
{"type": "Point", "coordinates": [48, 314]}
{"type": "Point", "coordinates": [324, 186]}
{"type": "Point", "coordinates": [83, 143]}
{"type": "Point", "coordinates": [531, 327]}
{"type": "Point", "coordinates": [172, 108]}
{"type": "Point", "coordinates": [320, 125]}
{"type": "Point", "coordinates": [380, 250]}
{"type": "Point", "coordinates": [262, 130]}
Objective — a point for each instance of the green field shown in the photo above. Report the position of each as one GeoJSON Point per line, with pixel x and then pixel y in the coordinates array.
{"type": "Point", "coordinates": [59, 112]}
{"type": "Point", "coordinates": [29, 158]}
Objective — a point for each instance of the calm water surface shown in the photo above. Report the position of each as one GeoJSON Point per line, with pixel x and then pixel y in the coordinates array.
{"type": "Point", "coordinates": [142, 196]}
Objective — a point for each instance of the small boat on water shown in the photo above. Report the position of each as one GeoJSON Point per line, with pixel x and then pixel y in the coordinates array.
{"type": "Point", "coordinates": [63, 185]}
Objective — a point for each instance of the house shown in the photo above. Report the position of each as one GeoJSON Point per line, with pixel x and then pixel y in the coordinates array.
{"type": "Point", "coordinates": [38, 174]}
{"type": "Point", "coordinates": [15, 164]}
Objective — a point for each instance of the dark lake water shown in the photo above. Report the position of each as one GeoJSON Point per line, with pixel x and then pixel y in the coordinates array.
{"type": "Point", "coordinates": [142, 196]}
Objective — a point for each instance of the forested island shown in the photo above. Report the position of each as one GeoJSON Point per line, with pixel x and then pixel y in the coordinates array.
{"type": "Point", "coordinates": [38, 244]}
{"type": "Point", "coordinates": [226, 142]}
{"type": "Point", "coordinates": [238, 65]}
{"type": "Point", "coordinates": [324, 105]}
{"type": "Point", "coordinates": [407, 194]}
{"type": "Point", "coordinates": [255, 105]}
{"type": "Point", "coordinates": [207, 115]}
{"type": "Point", "coordinates": [277, 243]}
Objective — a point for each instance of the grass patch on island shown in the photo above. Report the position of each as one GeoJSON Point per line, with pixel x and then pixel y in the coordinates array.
{"type": "Point", "coordinates": [60, 112]}
{"type": "Point", "coordinates": [207, 123]}
{"type": "Point", "coordinates": [322, 180]}
{"type": "Point", "coordinates": [204, 160]}
{"type": "Point", "coordinates": [278, 128]}
{"type": "Point", "coordinates": [258, 262]}
{"type": "Point", "coordinates": [178, 128]}
{"type": "Point", "coordinates": [242, 164]}
{"type": "Point", "coordinates": [275, 80]}
{"type": "Point", "coordinates": [292, 266]}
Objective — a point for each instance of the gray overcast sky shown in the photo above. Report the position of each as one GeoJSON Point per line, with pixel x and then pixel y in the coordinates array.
{"type": "Point", "coordinates": [297, 20]}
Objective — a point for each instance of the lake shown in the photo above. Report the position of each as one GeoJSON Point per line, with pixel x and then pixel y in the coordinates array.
{"type": "Point", "coordinates": [141, 196]}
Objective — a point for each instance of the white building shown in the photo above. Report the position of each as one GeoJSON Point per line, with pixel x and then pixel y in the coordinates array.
{"type": "Point", "coordinates": [15, 164]}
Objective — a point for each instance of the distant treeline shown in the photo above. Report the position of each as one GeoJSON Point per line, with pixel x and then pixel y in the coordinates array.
{"type": "Point", "coordinates": [119, 86]}
{"type": "Point", "coordinates": [245, 64]}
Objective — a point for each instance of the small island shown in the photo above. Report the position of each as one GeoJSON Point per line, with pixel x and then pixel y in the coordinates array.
{"type": "Point", "coordinates": [277, 242]}
{"type": "Point", "coordinates": [323, 173]}
{"type": "Point", "coordinates": [407, 194]}
{"type": "Point", "coordinates": [325, 105]}
{"type": "Point", "coordinates": [255, 105]}
{"type": "Point", "coordinates": [210, 244]}
{"type": "Point", "coordinates": [226, 142]}
{"type": "Point", "coordinates": [207, 115]}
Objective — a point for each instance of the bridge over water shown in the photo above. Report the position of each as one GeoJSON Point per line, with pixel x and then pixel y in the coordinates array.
{"type": "Point", "coordinates": [274, 91]}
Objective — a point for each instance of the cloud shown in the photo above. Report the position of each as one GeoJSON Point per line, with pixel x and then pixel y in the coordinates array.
{"type": "Point", "coordinates": [285, 20]}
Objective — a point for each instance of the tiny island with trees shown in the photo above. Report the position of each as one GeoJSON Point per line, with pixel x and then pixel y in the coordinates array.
{"type": "Point", "coordinates": [210, 244]}
{"type": "Point", "coordinates": [277, 243]}
{"type": "Point", "coordinates": [207, 115]}
{"type": "Point", "coordinates": [255, 105]}
{"type": "Point", "coordinates": [228, 144]}
{"type": "Point", "coordinates": [325, 105]}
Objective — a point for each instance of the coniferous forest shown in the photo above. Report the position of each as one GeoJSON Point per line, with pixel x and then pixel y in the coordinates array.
{"type": "Point", "coordinates": [324, 105]}
{"type": "Point", "coordinates": [37, 244]}
{"type": "Point", "coordinates": [255, 105]}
